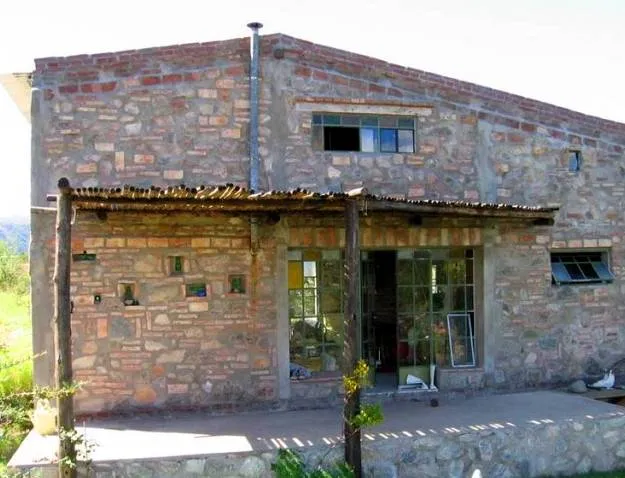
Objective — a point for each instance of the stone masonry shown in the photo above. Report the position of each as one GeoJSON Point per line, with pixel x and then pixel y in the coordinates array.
{"type": "Point", "coordinates": [180, 114]}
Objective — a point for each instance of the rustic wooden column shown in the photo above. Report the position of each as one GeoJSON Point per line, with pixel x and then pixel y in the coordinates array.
{"type": "Point", "coordinates": [351, 346]}
{"type": "Point", "coordinates": [62, 328]}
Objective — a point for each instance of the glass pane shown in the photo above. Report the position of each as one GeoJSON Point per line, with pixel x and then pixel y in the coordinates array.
{"type": "Point", "coordinates": [458, 299]}
{"type": "Point", "coordinates": [469, 295]}
{"type": "Point", "coordinates": [574, 271]}
{"type": "Point", "coordinates": [369, 121]}
{"type": "Point", "coordinates": [368, 140]}
{"type": "Point", "coordinates": [405, 123]}
{"type": "Point", "coordinates": [389, 121]}
{"type": "Point", "coordinates": [310, 269]}
{"type": "Point", "coordinates": [469, 271]}
{"type": "Point", "coordinates": [405, 141]}
{"type": "Point", "coordinates": [438, 298]}
{"type": "Point", "coordinates": [439, 273]}
{"type": "Point", "coordinates": [440, 340]}
{"type": "Point", "coordinates": [311, 255]}
{"type": "Point", "coordinates": [310, 302]}
{"type": "Point", "coordinates": [404, 272]}
{"type": "Point", "coordinates": [588, 270]}
{"type": "Point", "coordinates": [331, 255]}
{"type": "Point", "coordinates": [294, 255]}
{"type": "Point", "coordinates": [388, 140]}
{"type": "Point", "coordinates": [404, 300]}
{"type": "Point", "coordinates": [316, 119]}
{"type": "Point", "coordinates": [310, 282]}
{"type": "Point", "coordinates": [422, 272]}
{"type": "Point", "coordinates": [330, 301]}
{"type": "Point", "coordinates": [468, 253]}
{"type": "Point", "coordinates": [317, 137]}
{"type": "Point", "coordinates": [457, 272]}
{"type": "Point", "coordinates": [331, 272]}
{"type": "Point", "coordinates": [333, 120]}
{"type": "Point", "coordinates": [333, 328]}
{"type": "Point", "coordinates": [349, 120]}
{"type": "Point", "coordinates": [559, 273]}
{"type": "Point", "coordinates": [296, 275]}
{"type": "Point", "coordinates": [602, 271]}
{"type": "Point", "coordinates": [421, 299]}
{"type": "Point", "coordinates": [331, 358]}
{"type": "Point", "coordinates": [296, 304]}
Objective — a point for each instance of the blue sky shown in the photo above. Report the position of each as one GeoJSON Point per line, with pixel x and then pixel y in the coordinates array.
{"type": "Point", "coordinates": [566, 52]}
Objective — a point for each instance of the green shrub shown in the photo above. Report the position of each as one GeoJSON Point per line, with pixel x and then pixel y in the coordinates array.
{"type": "Point", "coordinates": [290, 465]}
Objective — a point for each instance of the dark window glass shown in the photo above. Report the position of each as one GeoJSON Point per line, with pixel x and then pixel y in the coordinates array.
{"type": "Point", "coordinates": [405, 141]}
{"type": "Point", "coordinates": [350, 120]}
{"type": "Point", "coordinates": [316, 119]}
{"type": "Point", "coordinates": [405, 123]}
{"type": "Point", "coordinates": [331, 120]}
{"type": "Point", "coordinates": [341, 139]}
{"type": "Point", "coordinates": [388, 140]}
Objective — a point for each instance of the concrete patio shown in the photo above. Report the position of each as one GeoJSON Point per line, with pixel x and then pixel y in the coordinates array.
{"type": "Point", "coordinates": [524, 434]}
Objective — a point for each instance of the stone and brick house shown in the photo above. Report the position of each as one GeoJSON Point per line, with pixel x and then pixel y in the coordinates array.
{"type": "Point", "coordinates": [492, 226]}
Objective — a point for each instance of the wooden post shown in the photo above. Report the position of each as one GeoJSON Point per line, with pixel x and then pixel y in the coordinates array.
{"type": "Point", "coordinates": [350, 350]}
{"type": "Point", "coordinates": [62, 329]}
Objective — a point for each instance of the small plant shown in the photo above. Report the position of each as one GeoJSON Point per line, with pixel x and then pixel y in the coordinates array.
{"type": "Point", "coordinates": [290, 465]}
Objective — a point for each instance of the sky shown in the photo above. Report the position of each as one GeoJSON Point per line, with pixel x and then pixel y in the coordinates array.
{"type": "Point", "coordinates": [565, 52]}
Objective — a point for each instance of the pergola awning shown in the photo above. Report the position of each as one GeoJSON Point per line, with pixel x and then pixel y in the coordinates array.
{"type": "Point", "coordinates": [230, 198]}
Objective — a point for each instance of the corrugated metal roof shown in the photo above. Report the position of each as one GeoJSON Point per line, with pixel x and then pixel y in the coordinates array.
{"type": "Point", "coordinates": [232, 198]}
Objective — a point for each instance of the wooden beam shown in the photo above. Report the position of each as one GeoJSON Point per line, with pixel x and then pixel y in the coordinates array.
{"type": "Point", "coordinates": [62, 329]}
{"type": "Point", "coordinates": [353, 455]}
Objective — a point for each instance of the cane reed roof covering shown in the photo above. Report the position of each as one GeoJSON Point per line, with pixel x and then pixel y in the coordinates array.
{"type": "Point", "coordinates": [232, 198]}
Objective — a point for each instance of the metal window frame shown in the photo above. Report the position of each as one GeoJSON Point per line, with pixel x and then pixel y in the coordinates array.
{"type": "Point", "coordinates": [561, 276]}
{"type": "Point", "coordinates": [319, 120]}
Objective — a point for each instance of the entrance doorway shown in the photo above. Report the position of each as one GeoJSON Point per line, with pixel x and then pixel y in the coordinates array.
{"type": "Point", "coordinates": [379, 316]}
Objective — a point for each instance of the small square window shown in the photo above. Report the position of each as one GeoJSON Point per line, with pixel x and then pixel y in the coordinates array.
{"type": "Point", "coordinates": [575, 161]}
{"type": "Point", "coordinates": [237, 284]}
{"type": "Point", "coordinates": [176, 265]}
{"type": "Point", "coordinates": [580, 268]}
{"type": "Point", "coordinates": [197, 289]}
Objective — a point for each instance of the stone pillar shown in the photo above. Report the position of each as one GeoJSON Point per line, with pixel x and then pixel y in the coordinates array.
{"type": "Point", "coordinates": [282, 309]}
{"type": "Point", "coordinates": [491, 309]}
{"type": "Point", "coordinates": [42, 222]}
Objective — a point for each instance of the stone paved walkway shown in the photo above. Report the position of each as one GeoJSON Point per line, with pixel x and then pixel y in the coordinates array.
{"type": "Point", "coordinates": [184, 435]}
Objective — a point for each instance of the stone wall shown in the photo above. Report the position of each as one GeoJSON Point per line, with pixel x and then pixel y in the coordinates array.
{"type": "Point", "coordinates": [172, 350]}
{"type": "Point", "coordinates": [544, 448]}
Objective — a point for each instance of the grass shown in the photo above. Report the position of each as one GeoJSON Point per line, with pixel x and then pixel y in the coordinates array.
{"type": "Point", "coordinates": [15, 367]}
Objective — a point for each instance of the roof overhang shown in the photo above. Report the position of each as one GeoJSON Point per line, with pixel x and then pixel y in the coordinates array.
{"type": "Point", "coordinates": [18, 86]}
{"type": "Point", "coordinates": [231, 199]}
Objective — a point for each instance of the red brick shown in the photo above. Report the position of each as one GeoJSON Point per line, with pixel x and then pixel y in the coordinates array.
{"type": "Point", "coordinates": [172, 78]}
{"type": "Point", "coordinates": [150, 80]}
{"type": "Point", "coordinates": [303, 71]}
{"type": "Point", "coordinates": [320, 75]}
{"type": "Point", "coordinates": [68, 89]}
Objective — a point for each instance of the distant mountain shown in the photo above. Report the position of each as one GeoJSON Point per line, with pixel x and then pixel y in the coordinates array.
{"type": "Point", "coordinates": [16, 232]}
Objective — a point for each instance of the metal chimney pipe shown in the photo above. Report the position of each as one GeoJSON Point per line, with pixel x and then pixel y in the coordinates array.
{"type": "Point", "coordinates": [254, 107]}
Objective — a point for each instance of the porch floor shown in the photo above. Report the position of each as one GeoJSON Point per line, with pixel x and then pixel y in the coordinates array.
{"type": "Point", "coordinates": [192, 434]}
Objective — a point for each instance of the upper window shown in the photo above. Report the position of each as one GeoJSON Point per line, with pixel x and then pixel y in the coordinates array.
{"type": "Point", "coordinates": [580, 267]}
{"type": "Point", "coordinates": [367, 134]}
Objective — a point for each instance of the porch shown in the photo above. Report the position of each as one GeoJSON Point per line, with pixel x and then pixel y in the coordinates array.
{"type": "Point", "coordinates": [526, 434]}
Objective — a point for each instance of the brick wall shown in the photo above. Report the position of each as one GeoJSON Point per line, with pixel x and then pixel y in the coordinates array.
{"type": "Point", "coordinates": [172, 350]}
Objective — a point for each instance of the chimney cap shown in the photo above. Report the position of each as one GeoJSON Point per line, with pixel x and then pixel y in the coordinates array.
{"type": "Point", "coordinates": [255, 25]}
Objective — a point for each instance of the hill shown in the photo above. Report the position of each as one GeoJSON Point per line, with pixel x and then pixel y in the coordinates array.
{"type": "Point", "coordinates": [16, 233]}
